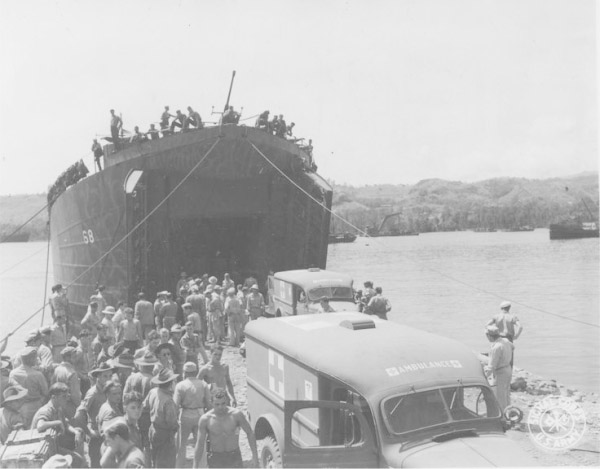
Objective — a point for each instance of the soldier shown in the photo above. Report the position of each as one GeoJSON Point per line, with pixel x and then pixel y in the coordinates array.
{"type": "Point", "coordinates": [255, 303]}
{"type": "Point", "coordinates": [66, 373]}
{"type": "Point", "coordinates": [144, 312]}
{"type": "Point", "coordinates": [235, 316]}
{"type": "Point", "coordinates": [26, 376]}
{"type": "Point", "coordinates": [52, 415]}
{"type": "Point", "coordinates": [164, 121]}
{"type": "Point", "coordinates": [178, 121]}
{"type": "Point", "coordinates": [130, 331]}
{"type": "Point", "coordinates": [163, 415]}
{"type": "Point", "coordinates": [499, 365]}
{"type": "Point", "coordinates": [178, 354]}
{"type": "Point", "coordinates": [87, 413]}
{"type": "Point", "coordinates": [378, 305]}
{"type": "Point", "coordinates": [263, 121]}
{"type": "Point", "coordinates": [152, 133]}
{"type": "Point", "coordinates": [222, 425]}
{"type": "Point", "coordinates": [191, 345]}
{"type": "Point", "coordinates": [116, 125]}
{"type": "Point", "coordinates": [111, 408]}
{"type": "Point", "coordinates": [122, 450]}
{"type": "Point", "coordinates": [216, 374]}
{"type": "Point", "coordinates": [192, 396]}
{"type": "Point", "coordinates": [13, 398]}
{"type": "Point", "coordinates": [98, 153]}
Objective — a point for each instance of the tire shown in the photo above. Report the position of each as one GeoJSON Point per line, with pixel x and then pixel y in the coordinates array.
{"type": "Point", "coordinates": [270, 454]}
{"type": "Point", "coordinates": [278, 314]}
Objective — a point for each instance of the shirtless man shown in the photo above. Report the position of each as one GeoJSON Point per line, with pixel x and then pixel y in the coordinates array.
{"type": "Point", "coordinates": [217, 375]}
{"type": "Point", "coordinates": [222, 426]}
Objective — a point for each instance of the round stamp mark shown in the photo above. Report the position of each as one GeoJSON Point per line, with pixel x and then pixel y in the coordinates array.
{"type": "Point", "coordinates": [556, 423]}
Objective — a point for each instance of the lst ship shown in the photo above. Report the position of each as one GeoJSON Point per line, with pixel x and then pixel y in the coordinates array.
{"type": "Point", "coordinates": [221, 199]}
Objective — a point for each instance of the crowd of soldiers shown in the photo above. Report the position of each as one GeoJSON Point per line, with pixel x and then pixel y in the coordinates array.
{"type": "Point", "coordinates": [131, 386]}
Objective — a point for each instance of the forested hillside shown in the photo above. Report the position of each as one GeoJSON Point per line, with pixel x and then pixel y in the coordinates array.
{"type": "Point", "coordinates": [430, 205]}
{"type": "Point", "coordinates": [439, 205]}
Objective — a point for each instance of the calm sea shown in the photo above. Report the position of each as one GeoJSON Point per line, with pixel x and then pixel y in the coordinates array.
{"type": "Point", "coordinates": [447, 283]}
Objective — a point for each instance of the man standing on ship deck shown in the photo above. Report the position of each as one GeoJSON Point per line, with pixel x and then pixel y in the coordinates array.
{"type": "Point", "coordinates": [116, 125]}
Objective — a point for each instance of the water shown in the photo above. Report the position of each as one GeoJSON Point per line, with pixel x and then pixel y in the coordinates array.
{"type": "Point", "coordinates": [452, 283]}
{"type": "Point", "coordinates": [447, 283]}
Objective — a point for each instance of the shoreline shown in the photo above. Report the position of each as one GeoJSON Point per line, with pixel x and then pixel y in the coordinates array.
{"type": "Point", "coordinates": [534, 388]}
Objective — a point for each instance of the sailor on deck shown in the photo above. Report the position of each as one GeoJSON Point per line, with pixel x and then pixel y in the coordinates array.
{"type": "Point", "coordinates": [116, 125]}
{"type": "Point", "coordinates": [98, 153]}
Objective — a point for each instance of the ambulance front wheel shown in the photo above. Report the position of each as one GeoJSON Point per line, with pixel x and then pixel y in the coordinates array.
{"type": "Point", "coordinates": [270, 454]}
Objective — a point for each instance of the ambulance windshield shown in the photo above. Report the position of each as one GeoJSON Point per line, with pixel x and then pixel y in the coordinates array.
{"type": "Point", "coordinates": [411, 412]}
{"type": "Point", "coordinates": [333, 293]}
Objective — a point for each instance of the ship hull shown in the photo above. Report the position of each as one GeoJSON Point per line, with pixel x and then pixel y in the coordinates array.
{"type": "Point", "coordinates": [562, 231]}
{"type": "Point", "coordinates": [232, 212]}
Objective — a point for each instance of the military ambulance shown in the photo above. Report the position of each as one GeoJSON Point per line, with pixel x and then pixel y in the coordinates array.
{"type": "Point", "coordinates": [293, 292]}
{"type": "Point", "coordinates": [350, 390]}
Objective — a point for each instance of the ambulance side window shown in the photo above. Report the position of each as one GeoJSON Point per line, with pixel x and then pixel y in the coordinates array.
{"type": "Point", "coordinates": [326, 427]}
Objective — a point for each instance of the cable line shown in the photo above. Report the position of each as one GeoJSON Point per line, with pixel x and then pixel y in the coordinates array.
{"type": "Point", "coordinates": [160, 204]}
{"type": "Point", "coordinates": [3, 240]}
{"type": "Point", "coordinates": [420, 263]}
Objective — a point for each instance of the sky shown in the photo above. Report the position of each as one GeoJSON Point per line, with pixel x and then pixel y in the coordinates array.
{"type": "Point", "coordinates": [390, 91]}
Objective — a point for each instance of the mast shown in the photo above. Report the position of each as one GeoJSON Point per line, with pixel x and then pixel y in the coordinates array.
{"type": "Point", "coordinates": [229, 94]}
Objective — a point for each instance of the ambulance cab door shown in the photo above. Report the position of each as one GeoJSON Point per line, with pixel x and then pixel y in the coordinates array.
{"type": "Point", "coordinates": [300, 301]}
{"type": "Point", "coordinates": [334, 434]}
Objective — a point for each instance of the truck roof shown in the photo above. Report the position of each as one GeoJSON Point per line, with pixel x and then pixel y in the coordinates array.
{"type": "Point", "coordinates": [312, 278]}
{"type": "Point", "coordinates": [373, 359]}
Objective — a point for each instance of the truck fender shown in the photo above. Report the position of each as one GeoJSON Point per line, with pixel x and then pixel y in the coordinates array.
{"type": "Point", "coordinates": [268, 424]}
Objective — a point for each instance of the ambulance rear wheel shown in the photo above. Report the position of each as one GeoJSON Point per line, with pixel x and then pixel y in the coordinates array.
{"type": "Point", "coordinates": [270, 454]}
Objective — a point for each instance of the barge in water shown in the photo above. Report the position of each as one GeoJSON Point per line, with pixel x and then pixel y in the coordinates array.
{"type": "Point", "coordinates": [220, 199]}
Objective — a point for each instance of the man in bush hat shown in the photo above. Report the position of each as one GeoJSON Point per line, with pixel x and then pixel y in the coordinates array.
{"type": "Point", "coordinates": [140, 382]}
{"type": "Point", "coordinates": [499, 365]}
{"type": "Point", "coordinates": [66, 373]}
{"type": "Point", "coordinates": [107, 320]}
{"type": "Point", "coordinates": [10, 418]}
{"type": "Point", "coordinates": [192, 396]}
{"type": "Point", "coordinates": [87, 413]}
{"type": "Point", "coordinates": [26, 376]}
{"type": "Point", "coordinates": [163, 417]}
{"type": "Point", "coordinates": [32, 339]}
{"type": "Point", "coordinates": [124, 363]}
{"type": "Point", "coordinates": [164, 353]}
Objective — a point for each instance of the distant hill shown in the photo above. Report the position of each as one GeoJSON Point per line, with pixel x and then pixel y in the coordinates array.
{"type": "Point", "coordinates": [16, 209]}
{"type": "Point", "coordinates": [440, 205]}
{"type": "Point", "coordinates": [429, 205]}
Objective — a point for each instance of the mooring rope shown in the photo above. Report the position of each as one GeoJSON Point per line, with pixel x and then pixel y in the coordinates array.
{"type": "Point", "coordinates": [47, 272]}
{"type": "Point", "coordinates": [443, 274]}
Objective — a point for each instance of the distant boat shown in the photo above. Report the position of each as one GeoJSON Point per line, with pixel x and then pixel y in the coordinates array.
{"type": "Point", "coordinates": [520, 228]}
{"type": "Point", "coordinates": [342, 238]}
{"type": "Point", "coordinates": [485, 230]}
{"type": "Point", "coordinates": [15, 238]}
{"type": "Point", "coordinates": [573, 230]}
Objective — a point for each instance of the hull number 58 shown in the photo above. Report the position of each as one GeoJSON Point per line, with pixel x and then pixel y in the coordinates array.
{"type": "Point", "coordinates": [88, 236]}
